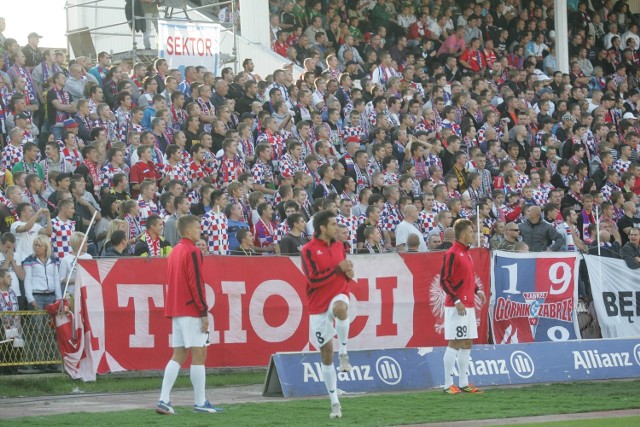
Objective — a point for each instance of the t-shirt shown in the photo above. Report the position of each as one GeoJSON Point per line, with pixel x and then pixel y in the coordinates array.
{"type": "Point", "coordinates": [24, 240]}
{"type": "Point", "coordinates": [625, 222]}
{"type": "Point", "coordinates": [292, 245]}
{"type": "Point", "coordinates": [403, 230]}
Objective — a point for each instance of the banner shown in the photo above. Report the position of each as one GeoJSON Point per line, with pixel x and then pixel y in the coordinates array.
{"type": "Point", "coordinates": [189, 43]}
{"type": "Point", "coordinates": [400, 369]}
{"type": "Point", "coordinates": [534, 297]}
{"type": "Point", "coordinates": [617, 301]}
{"type": "Point", "coordinates": [256, 311]}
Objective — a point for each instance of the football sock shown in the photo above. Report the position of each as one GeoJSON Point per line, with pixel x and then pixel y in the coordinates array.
{"type": "Point", "coordinates": [342, 328]}
{"type": "Point", "coordinates": [198, 379]}
{"type": "Point", "coordinates": [170, 374]}
{"type": "Point", "coordinates": [331, 381]}
{"type": "Point", "coordinates": [463, 365]}
{"type": "Point", "coordinates": [449, 362]}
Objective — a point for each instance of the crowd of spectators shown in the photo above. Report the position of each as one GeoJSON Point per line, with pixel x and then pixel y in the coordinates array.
{"type": "Point", "coordinates": [407, 116]}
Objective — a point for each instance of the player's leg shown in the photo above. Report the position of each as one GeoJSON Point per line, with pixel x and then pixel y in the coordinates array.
{"type": "Point", "coordinates": [341, 315]}
{"type": "Point", "coordinates": [172, 369]}
{"type": "Point", "coordinates": [451, 323]}
{"type": "Point", "coordinates": [197, 342]}
{"type": "Point", "coordinates": [464, 354]}
{"type": "Point", "coordinates": [322, 330]}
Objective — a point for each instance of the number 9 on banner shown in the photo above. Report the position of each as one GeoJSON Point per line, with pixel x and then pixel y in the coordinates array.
{"type": "Point", "coordinates": [559, 274]}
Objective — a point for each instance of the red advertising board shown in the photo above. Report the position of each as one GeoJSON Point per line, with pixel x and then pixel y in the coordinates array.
{"type": "Point", "coordinates": [258, 307]}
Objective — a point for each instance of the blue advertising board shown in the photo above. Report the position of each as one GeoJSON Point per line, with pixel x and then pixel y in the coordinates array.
{"type": "Point", "coordinates": [300, 374]}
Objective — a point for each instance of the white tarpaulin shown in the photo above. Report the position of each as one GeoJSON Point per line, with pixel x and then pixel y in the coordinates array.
{"type": "Point", "coordinates": [616, 294]}
{"type": "Point", "coordinates": [184, 43]}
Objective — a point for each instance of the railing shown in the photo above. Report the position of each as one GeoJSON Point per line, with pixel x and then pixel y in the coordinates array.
{"type": "Point", "coordinates": [27, 339]}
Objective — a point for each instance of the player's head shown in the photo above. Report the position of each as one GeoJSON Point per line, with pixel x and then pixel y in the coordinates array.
{"type": "Point", "coordinates": [325, 225]}
{"type": "Point", "coordinates": [463, 231]}
{"type": "Point", "coordinates": [189, 227]}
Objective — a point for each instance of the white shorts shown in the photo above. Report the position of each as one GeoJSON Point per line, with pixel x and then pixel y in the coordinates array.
{"type": "Point", "coordinates": [458, 327]}
{"type": "Point", "coordinates": [186, 332]}
{"type": "Point", "coordinates": [321, 325]}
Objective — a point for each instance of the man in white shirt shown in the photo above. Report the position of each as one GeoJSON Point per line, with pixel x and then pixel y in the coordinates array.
{"type": "Point", "coordinates": [407, 227]}
{"type": "Point", "coordinates": [27, 229]}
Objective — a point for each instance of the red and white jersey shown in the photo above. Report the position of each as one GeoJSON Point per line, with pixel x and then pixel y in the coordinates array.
{"type": "Point", "coordinates": [351, 222]}
{"type": "Point", "coordinates": [228, 169]}
{"type": "Point", "coordinates": [10, 156]}
{"type": "Point", "coordinates": [178, 172]}
{"type": "Point", "coordinates": [197, 171]}
{"type": "Point", "coordinates": [146, 210]}
{"type": "Point", "coordinates": [61, 236]}
{"type": "Point", "coordinates": [426, 222]}
{"type": "Point", "coordinates": [214, 227]}
{"type": "Point", "coordinates": [289, 166]}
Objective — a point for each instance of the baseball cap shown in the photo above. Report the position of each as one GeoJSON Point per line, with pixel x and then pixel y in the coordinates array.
{"type": "Point", "coordinates": [69, 123]}
{"type": "Point", "coordinates": [567, 117]}
{"type": "Point", "coordinates": [31, 35]}
{"type": "Point", "coordinates": [629, 116]}
{"type": "Point", "coordinates": [607, 97]}
{"type": "Point", "coordinates": [23, 116]}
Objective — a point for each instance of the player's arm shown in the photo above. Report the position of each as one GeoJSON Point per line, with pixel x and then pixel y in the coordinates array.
{"type": "Point", "coordinates": [317, 277]}
{"type": "Point", "coordinates": [195, 282]}
{"type": "Point", "coordinates": [446, 276]}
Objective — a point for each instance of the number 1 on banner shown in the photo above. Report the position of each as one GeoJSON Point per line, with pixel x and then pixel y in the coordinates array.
{"type": "Point", "coordinates": [512, 270]}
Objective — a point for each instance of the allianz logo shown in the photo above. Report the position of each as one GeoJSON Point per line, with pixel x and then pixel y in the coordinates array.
{"type": "Point", "coordinates": [386, 368]}
{"type": "Point", "coordinates": [519, 363]}
{"type": "Point", "coordinates": [593, 359]}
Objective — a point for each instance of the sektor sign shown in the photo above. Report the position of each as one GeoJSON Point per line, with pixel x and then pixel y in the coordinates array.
{"type": "Point", "coordinates": [183, 44]}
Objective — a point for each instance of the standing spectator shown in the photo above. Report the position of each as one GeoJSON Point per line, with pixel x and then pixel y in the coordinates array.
{"type": "Point", "coordinates": [11, 328]}
{"type": "Point", "coordinates": [99, 71]}
{"type": "Point", "coordinates": [538, 234]}
{"type": "Point", "coordinates": [42, 287]}
{"type": "Point", "coordinates": [170, 232]}
{"type": "Point", "coordinates": [214, 225]}
{"type": "Point", "coordinates": [264, 230]}
{"type": "Point", "coordinates": [31, 52]}
{"type": "Point", "coordinates": [62, 229]}
{"type": "Point", "coordinates": [187, 307]}
{"type": "Point", "coordinates": [407, 227]}
{"type": "Point", "coordinates": [27, 228]}
{"type": "Point", "coordinates": [628, 221]}
{"type": "Point", "coordinates": [295, 239]}
{"type": "Point", "coordinates": [59, 105]}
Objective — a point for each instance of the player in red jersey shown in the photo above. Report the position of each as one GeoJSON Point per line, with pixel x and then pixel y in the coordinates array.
{"type": "Point", "coordinates": [328, 272]}
{"type": "Point", "coordinates": [458, 281]}
{"type": "Point", "coordinates": [186, 305]}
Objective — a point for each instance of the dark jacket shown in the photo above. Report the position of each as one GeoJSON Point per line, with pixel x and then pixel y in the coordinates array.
{"type": "Point", "coordinates": [540, 236]}
{"type": "Point", "coordinates": [629, 254]}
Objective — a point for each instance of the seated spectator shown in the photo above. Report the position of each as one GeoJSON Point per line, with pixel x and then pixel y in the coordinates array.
{"type": "Point", "coordinates": [117, 244]}
{"type": "Point", "coordinates": [151, 243]}
{"type": "Point", "coordinates": [245, 238]}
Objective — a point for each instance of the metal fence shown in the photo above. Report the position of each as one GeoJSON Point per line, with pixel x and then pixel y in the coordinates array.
{"type": "Point", "coordinates": [27, 339]}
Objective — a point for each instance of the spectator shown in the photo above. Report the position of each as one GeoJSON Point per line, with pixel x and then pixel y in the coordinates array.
{"type": "Point", "coordinates": [10, 352]}
{"type": "Point", "coordinates": [151, 243]}
{"type": "Point", "coordinates": [79, 250]}
{"type": "Point", "coordinates": [292, 242]}
{"type": "Point", "coordinates": [245, 248]}
{"type": "Point", "coordinates": [607, 248]}
{"type": "Point", "coordinates": [631, 250]}
{"type": "Point", "coordinates": [628, 221]}
{"type": "Point", "coordinates": [42, 287]}
{"type": "Point", "coordinates": [538, 234]}
{"type": "Point", "coordinates": [406, 228]}
{"type": "Point", "coordinates": [511, 237]}
{"type": "Point", "coordinates": [521, 247]}
{"type": "Point", "coordinates": [117, 244]}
